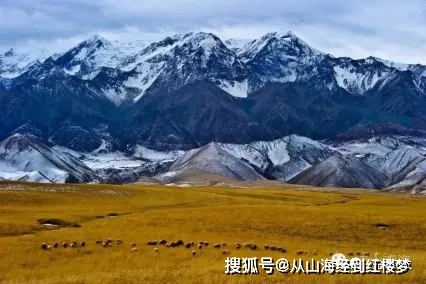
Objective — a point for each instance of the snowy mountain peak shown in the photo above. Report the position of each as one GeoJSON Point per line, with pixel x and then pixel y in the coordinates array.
{"type": "Point", "coordinates": [16, 61]}
{"type": "Point", "coordinates": [236, 44]}
{"type": "Point", "coordinates": [9, 53]}
{"type": "Point", "coordinates": [277, 44]}
{"type": "Point", "coordinates": [96, 39]}
{"type": "Point", "coordinates": [284, 34]}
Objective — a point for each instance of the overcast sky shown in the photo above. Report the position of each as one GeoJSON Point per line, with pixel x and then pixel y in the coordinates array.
{"type": "Point", "coordinates": [390, 29]}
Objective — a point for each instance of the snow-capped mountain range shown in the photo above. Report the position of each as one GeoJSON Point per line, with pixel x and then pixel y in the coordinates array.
{"type": "Point", "coordinates": [188, 90]}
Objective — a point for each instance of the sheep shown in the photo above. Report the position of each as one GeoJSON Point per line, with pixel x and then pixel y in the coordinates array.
{"type": "Point", "coordinates": [224, 245]}
{"type": "Point", "coordinates": [56, 245]}
{"type": "Point", "coordinates": [283, 250]}
{"type": "Point", "coordinates": [110, 244]}
{"type": "Point", "coordinates": [266, 247]}
{"type": "Point", "coordinates": [273, 248]}
{"type": "Point", "coordinates": [152, 243]}
{"type": "Point", "coordinates": [132, 245]}
{"type": "Point", "coordinates": [200, 246]}
{"type": "Point", "coordinates": [253, 247]}
{"type": "Point", "coordinates": [194, 253]}
{"type": "Point", "coordinates": [201, 243]}
{"type": "Point", "coordinates": [216, 246]}
{"type": "Point", "coordinates": [237, 246]}
{"type": "Point", "coordinates": [279, 249]}
{"type": "Point", "coordinates": [180, 243]}
{"type": "Point", "coordinates": [133, 249]}
{"type": "Point", "coordinates": [99, 242]}
{"type": "Point", "coordinates": [206, 244]}
{"type": "Point", "coordinates": [192, 243]}
{"type": "Point", "coordinates": [83, 244]}
{"type": "Point", "coordinates": [105, 244]}
{"type": "Point", "coordinates": [167, 245]}
{"type": "Point", "coordinates": [225, 251]}
{"type": "Point", "coordinates": [49, 248]}
{"type": "Point", "coordinates": [163, 242]}
{"type": "Point", "coordinates": [351, 254]}
{"type": "Point", "coordinates": [64, 245]}
{"type": "Point", "coordinates": [118, 242]}
{"type": "Point", "coordinates": [173, 244]}
{"type": "Point", "coordinates": [247, 245]}
{"type": "Point", "coordinates": [156, 250]}
{"type": "Point", "coordinates": [109, 240]}
{"type": "Point", "coordinates": [300, 252]}
{"type": "Point", "coordinates": [73, 245]}
{"type": "Point", "coordinates": [44, 246]}
{"type": "Point", "coordinates": [188, 245]}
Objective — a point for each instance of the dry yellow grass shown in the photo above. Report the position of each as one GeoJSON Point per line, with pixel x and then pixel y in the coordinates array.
{"type": "Point", "coordinates": [309, 220]}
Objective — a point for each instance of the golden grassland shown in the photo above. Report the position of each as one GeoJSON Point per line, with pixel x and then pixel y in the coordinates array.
{"type": "Point", "coordinates": [297, 219]}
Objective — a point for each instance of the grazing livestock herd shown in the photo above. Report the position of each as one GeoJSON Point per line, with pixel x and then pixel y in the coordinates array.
{"type": "Point", "coordinates": [180, 243]}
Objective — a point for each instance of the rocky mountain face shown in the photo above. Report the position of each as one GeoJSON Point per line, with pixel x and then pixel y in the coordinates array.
{"type": "Point", "coordinates": [394, 163]}
{"type": "Point", "coordinates": [272, 107]}
{"type": "Point", "coordinates": [191, 89]}
{"type": "Point", "coordinates": [24, 157]}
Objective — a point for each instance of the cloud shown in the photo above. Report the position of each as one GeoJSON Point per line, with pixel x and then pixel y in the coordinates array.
{"type": "Point", "coordinates": [389, 29]}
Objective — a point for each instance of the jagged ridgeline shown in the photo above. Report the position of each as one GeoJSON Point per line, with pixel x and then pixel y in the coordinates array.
{"type": "Point", "coordinates": [107, 98]}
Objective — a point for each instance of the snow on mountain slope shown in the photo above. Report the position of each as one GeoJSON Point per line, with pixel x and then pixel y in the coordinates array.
{"type": "Point", "coordinates": [186, 58]}
{"type": "Point", "coordinates": [236, 89]}
{"type": "Point", "coordinates": [278, 57]}
{"type": "Point", "coordinates": [415, 178]}
{"type": "Point", "coordinates": [96, 52]}
{"type": "Point", "coordinates": [25, 154]}
{"type": "Point", "coordinates": [342, 171]}
{"type": "Point", "coordinates": [379, 146]}
{"type": "Point", "coordinates": [114, 160]}
{"type": "Point", "coordinates": [141, 152]}
{"type": "Point", "coordinates": [236, 44]}
{"type": "Point", "coordinates": [418, 69]}
{"type": "Point", "coordinates": [395, 156]}
{"type": "Point", "coordinates": [398, 162]}
{"type": "Point", "coordinates": [209, 159]}
{"type": "Point", "coordinates": [283, 158]}
{"type": "Point", "coordinates": [239, 67]}
{"type": "Point", "coordinates": [281, 41]}
{"type": "Point", "coordinates": [356, 82]}
{"type": "Point", "coordinates": [15, 61]}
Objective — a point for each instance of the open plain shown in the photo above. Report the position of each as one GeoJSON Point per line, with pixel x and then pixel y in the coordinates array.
{"type": "Point", "coordinates": [317, 221]}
